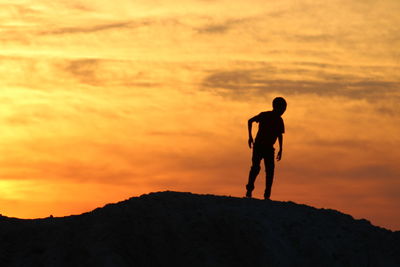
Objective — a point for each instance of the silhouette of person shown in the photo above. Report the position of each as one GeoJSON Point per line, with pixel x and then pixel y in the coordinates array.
{"type": "Point", "coordinates": [270, 128]}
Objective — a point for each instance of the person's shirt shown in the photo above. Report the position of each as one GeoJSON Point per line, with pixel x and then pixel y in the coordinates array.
{"type": "Point", "coordinates": [270, 126]}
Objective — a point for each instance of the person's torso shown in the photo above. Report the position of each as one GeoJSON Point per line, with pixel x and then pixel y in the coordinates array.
{"type": "Point", "coordinates": [270, 126]}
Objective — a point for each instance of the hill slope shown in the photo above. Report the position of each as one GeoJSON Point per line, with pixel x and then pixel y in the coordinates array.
{"type": "Point", "coordinates": [184, 229]}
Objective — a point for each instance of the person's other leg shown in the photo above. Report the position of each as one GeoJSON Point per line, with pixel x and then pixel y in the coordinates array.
{"type": "Point", "coordinates": [254, 170]}
{"type": "Point", "coordinates": [269, 161]}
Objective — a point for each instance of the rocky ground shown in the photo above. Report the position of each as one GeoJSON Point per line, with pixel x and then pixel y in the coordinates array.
{"type": "Point", "coordinates": [184, 229]}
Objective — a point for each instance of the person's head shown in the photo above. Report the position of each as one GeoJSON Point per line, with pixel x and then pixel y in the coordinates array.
{"type": "Point", "coordinates": [279, 105]}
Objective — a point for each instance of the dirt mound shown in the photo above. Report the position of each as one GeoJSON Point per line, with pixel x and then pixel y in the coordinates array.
{"type": "Point", "coordinates": [184, 229]}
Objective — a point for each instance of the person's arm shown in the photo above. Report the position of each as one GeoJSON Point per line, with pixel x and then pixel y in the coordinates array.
{"type": "Point", "coordinates": [249, 126]}
{"type": "Point", "coordinates": [280, 139]}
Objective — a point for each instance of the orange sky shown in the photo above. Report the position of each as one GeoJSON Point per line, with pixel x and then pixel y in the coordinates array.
{"type": "Point", "coordinates": [101, 101]}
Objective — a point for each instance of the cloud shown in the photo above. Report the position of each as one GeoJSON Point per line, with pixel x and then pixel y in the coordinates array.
{"type": "Point", "coordinates": [373, 172]}
{"type": "Point", "coordinates": [85, 70]}
{"type": "Point", "coordinates": [261, 81]}
{"type": "Point", "coordinates": [312, 38]}
{"type": "Point", "coordinates": [17, 11]}
{"type": "Point", "coordinates": [103, 72]}
{"type": "Point", "coordinates": [339, 143]}
{"type": "Point", "coordinates": [180, 134]}
{"type": "Point", "coordinates": [218, 28]}
{"type": "Point", "coordinates": [223, 27]}
{"type": "Point", "coordinates": [91, 28]}
{"type": "Point", "coordinates": [97, 26]}
{"type": "Point", "coordinates": [54, 74]}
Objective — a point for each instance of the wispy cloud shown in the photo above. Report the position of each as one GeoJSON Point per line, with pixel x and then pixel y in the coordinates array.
{"type": "Point", "coordinates": [256, 82]}
{"type": "Point", "coordinates": [91, 28]}
{"type": "Point", "coordinates": [104, 72]}
{"type": "Point", "coordinates": [222, 27]}
{"type": "Point", "coordinates": [15, 13]}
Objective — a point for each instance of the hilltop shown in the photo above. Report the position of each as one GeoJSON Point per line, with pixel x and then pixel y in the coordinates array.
{"type": "Point", "coordinates": [184, 229]}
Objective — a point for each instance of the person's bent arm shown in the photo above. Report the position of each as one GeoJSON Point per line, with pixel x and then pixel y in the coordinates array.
{"type": "Point", "coordinates": [280, 139]}
{"type": "Point", "coordinates": [249, 126]}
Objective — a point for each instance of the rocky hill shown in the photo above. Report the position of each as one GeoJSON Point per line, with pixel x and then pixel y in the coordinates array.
{"type": "Point", "coordinates": [184, 229]}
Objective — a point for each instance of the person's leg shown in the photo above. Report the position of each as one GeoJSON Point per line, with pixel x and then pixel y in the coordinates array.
{"type": "Point", "coordinates": [254, 170]}
{"type": "Point", "coordinates": [269, 161]}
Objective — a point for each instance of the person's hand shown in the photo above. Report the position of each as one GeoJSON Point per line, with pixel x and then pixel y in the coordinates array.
{"type": "Point", "coordinates": [279, 156]}
{"type": "Point", "coordinates": [251, 142]}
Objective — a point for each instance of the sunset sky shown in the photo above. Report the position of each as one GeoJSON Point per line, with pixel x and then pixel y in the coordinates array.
{"type": "Point", "coordinates": [105, 100]}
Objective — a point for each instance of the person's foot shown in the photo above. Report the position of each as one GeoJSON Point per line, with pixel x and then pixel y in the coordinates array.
{"type": "Point", "coordinates": [248, 194]}
{"type": "Point", "coordinates": [249, 189]}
